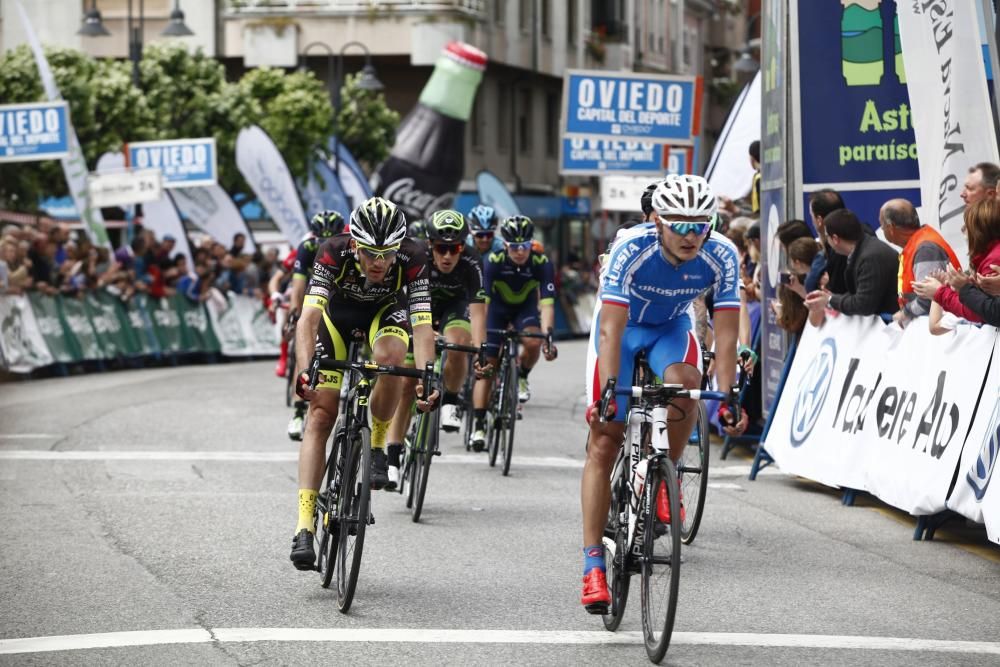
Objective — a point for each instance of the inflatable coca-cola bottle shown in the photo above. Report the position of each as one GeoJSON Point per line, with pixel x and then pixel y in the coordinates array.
{"type": "Point", "coordinates": [427, 161]}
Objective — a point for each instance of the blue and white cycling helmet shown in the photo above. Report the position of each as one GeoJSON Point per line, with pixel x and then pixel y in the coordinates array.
{"type": "Point", "coordinates": [482, 219]}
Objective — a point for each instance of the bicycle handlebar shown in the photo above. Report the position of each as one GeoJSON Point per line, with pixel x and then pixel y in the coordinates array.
{"type": "Point", "coordinates": [370, 369]}
{"type": "Point", "coordinates": [669, 391]}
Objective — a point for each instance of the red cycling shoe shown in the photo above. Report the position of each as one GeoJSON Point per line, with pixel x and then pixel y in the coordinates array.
{"type": "Point", "coordinates": [663, 506]}
{"type": "Point", "coordinates": [595, 597]}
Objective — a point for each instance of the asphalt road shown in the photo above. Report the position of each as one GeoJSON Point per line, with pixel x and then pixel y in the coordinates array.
{"type": "Point", "coordinates": [146, 517]}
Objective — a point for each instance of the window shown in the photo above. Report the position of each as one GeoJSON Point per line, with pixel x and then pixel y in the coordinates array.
{"type": "Point", "coordinates": [571, 21]}
{"type": "Point", "coordinates": [524, 16]}
{"type": "Point", "coordinates": [504, 102]}
{"type": "Point", "coordinates": [552, 112]}
{"type": "Point", "coordinates": [524, 121]}
{"type": "Point", "coordinates": [499, 11]}
{"type": "Point", "coordinates": [476, 125]}
{"type": "Point", "coordinates": [546, 18]}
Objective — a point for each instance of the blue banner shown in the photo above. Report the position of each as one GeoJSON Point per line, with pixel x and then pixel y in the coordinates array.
{"type": "Point", "coordinates": [322, 191]}
{"type": "Point", "coordinates": [184, 162]}
{"type": "Point", "coordinates": [855, 110]}
{"type": "Point", "coordinates": [644, 107]}
{"type": "Point", "coordinates": [37, 131]}
{"type": "Point", "coordinates": [599, 156]}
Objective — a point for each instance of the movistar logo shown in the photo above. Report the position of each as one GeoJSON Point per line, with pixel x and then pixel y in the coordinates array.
{"type": "Point", "coordinates": [814, 387]}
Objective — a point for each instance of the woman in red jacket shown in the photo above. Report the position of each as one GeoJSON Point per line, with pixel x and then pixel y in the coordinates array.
{"type": "Point", "coordinates": [982, 229]}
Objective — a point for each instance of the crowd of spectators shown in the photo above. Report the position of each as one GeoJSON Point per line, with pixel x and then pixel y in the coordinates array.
{"type": "Point", "coordinates": [48, 258]}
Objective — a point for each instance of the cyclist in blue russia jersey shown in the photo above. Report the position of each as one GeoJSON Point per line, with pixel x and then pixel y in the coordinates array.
{"type": "Point", "coordinates": [520, 282]}
{"type": "Point", "coordinates": [653, 275]}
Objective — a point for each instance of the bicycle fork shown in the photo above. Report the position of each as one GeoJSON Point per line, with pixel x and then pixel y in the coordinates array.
{"type": "Point", "coordinates": [640, 461]}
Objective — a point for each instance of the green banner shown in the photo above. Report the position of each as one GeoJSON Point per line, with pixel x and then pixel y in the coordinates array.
{"type": "Point", "coordinates": [22, 347]}
{"type": "Point", "coordinates": [229, 329]}
{"type": "Point", "coordinates": [74, 313]}
{"type": "Point", "coordinates": [62, 346]}
{"type": "Point", "coordinates": [196, 328]}
{"type": "Point", "coordinates": [167, 324]}
{"type": "Point", "coordinates": [103, 312]}
{"type": "Point", "coordinates": [137, 313]}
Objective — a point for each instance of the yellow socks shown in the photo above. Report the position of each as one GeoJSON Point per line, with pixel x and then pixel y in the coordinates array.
{"type": "Point", "coordinates": [307, 505]}
{"type": "Point", "coordinates": [379, 430]}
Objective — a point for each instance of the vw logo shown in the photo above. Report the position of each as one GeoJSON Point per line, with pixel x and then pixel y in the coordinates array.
{"type": "Point", "coordinates": [982, 468]}
{"type": "Point", "coordinates": [812, 393]}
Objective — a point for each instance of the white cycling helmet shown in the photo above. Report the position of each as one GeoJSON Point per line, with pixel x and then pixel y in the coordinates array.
{"type": "Point", "coordinates": [689, 196]}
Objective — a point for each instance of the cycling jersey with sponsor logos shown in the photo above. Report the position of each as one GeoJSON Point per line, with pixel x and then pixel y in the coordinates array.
{"type": "Point", "coordinates": [464, 283]}
{"type": "Point", "coordinates": [339, 283]}
{"type": "Point", "coordinates": [305, 257]}
{"type": "Point", "coordinates": [513, 284]}
{"type": "Point", "coordinates": [638, 276]}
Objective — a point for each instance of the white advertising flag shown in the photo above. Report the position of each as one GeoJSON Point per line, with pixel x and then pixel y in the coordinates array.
{"type": "Point", "coordinates": [265, 170]}
{"type": "Point", "coordinates": [729, 171]}
{"type": "Point", "coordinates": [211, 210]}
{"type": "Point", "coordinates": [161, 217]}
{"type": "Point", "coordinates": [946, 81]}
{"type": "Point", "coordinates": [74, 164]}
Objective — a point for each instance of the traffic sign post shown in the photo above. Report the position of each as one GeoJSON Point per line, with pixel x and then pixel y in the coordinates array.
{"type": "Point", "coordinates": [185, 163]}
{"type": "Point", "coordinates": [38, 131]}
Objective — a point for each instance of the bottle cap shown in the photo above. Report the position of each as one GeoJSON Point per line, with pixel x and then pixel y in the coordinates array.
{"type": "Point", "coordinates": [465, 54]}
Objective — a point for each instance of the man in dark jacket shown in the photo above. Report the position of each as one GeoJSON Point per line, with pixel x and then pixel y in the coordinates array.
{"type": "Point", "coordinates": [870, 274]}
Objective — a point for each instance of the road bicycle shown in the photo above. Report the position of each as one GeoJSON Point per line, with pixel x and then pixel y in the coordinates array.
{"type": "Point", "coordinates": [343, 506]}
{"type": "Point", "coordinates": [692, 468]}
{"type": "Point", "coordinates": [504, 408]}
{"type": "Point", "coordinates": [423, 438]}
{"type": "Point", "coordinates": [644, 529]}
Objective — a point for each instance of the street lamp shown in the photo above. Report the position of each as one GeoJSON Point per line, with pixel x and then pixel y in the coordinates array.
{"type": "Point", "coordinates": [93, 26]}
{"type": "Point", "coordinates": [368, 81]}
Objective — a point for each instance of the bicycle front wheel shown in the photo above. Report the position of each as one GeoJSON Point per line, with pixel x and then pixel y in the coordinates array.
{"type": "Point", "coordinates": [327, 537]}
{"type": "Point", "coordinates": [353, 510]}
{"type": "Point", "coordinates": [692, 477]}
{"type": "Point", "coordinates": [495, 425]}
{"type": "Point", "coordinates": [661, 550]}
{"type": "Point", "coordinates": [510, 407]}
{"type": "Point", "coordinates": [428, 440]}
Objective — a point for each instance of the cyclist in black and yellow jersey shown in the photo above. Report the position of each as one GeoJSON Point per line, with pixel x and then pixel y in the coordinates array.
{"type": "Point", "coordinates": [371, 282]}
{"type": "Point", "coordinates": [458, 303]}
{"type": "Point", "coordinates": [520, 282]}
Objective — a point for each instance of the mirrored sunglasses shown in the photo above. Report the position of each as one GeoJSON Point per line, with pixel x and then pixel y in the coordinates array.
{"type": "Point", "coordinates": [520, 246]}
{"type": "Point", "coordinates": [685, 228]}
{"type": "Point", "coordinates": [448, 248]}
{"type": "Point", "coordinates": [374, 253]}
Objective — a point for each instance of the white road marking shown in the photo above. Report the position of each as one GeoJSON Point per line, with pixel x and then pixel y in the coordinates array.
{"type": "Point", "coordinates": [440, 636]}
{"type": "Point", "coordinates": [293, 456]}
{"type": "Point", "coordinates": [723, 485]}
{"type": "Point", "coordinates": [28, 436]}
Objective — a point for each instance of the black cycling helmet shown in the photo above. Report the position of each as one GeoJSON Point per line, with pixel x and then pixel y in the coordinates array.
{"type": "Point", "coordinates": [417, 230]}
{"type": "Point", "coordinates": [326, 224]}
{"type": "Point", "coordinates": [646, 200]}
{"type": "Point", "coordinates": [378, 223]}
{"type": "Point", "coordinates": [482, 219]}
{"type": "Point", "coordinates": [517, 229]}
{"type": "Point", "coordinates": [448, 226]}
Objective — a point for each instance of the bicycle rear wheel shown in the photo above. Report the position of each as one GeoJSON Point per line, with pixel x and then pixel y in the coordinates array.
{"type": "Point", "coordinates": [353, 504]}
{"type": "Point", "coordinates": [692, 477]}
{"type": "Point", "coordinates": [327, 537]}
{"type": "Point", "coordinates": [431, 422]}
{"type": "Point", "coordinates": [510, 407]}
{"type": "Point", "coordinates": [661, 564]}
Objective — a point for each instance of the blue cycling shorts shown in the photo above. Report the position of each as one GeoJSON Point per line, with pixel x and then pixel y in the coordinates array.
{"type": "Point", "coordinates": [664, 345]}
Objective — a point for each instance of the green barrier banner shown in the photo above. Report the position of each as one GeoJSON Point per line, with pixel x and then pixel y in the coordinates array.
{"type": "Point", "coordinates": [167, 324]}
{"type": "Point", "coordinates": [103, 315]}
{"type": "Point", "coordinates": [141, 325]}
{"type": "Point", "coordinates": [21, 342]}
{"type": "Point", "coordinates": [131, 338]}
{"type": "Point", "coordinates": [61, 344]}
{"type": "Point", "coordinates": [196, 328]}
{"type": "Point", "coordinates": [74, 313]}
{"type": "Point", "coordinates": [264, 338]}
{"type": "Point", "coordinates": [225, 316]}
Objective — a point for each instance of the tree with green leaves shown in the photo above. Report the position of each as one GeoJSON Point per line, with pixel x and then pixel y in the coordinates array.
{"type": "Point", "coordinates": [105, 110]}
{"type": "Point", "coordinates": [366, 125]}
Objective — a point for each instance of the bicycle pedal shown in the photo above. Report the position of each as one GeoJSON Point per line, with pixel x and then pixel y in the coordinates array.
{"type": "Point", "coordinates": [371, 519]}
{"type": "Point", "coordinates": [598, 608]}
{"type": "Point", "coordinates": [436, 453]}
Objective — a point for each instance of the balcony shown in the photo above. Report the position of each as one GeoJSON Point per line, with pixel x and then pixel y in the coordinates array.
{"type": "Point", "coordinates": [472, 8]}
